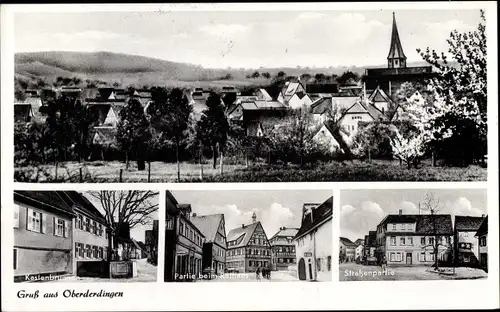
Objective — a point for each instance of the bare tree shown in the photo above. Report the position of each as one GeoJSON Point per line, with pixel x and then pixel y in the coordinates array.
{"type": "Point", "coordinates": [121, 208]}
{"type": "Point", "coordinates": [433, 205]}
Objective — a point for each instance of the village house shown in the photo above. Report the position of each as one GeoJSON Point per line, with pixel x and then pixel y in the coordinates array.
{"type": "Point", "coordinates": [347, 249]}
{"type": "Point", "coordinates": [43, 235]}
{"type": "Point", "coordinates": [214, 247]}
{"type": "Point", "coordinates": [183, 242]}
{"type": "Point", "coordinates": [313, 242]}
{"type": "Point", "coordinates": [151, 242]}
{"type": "Point", "coordinates": [482, 238]}
{"type": "Point", "coordinates": [325, 136]}
{"type": "Point", "coordinates": [360, 243]}
{"type": "Point", "coordinates": [466, 249]}
{"type": "Point", "coordinates": [90, 234]}
{"type": "Point", "coordinates": [289, 90]}
{"type": "Point", "coordinates": [248, 248]}
{"type": "Point", "coordinates": [23, 112]}
{"type": "Point", "coordinates": [390, 79]}
{"type": "Point", "coordinates": [283, 248]}
{"type": "Point", "coordinates": [370, 246]}
{"type": "Point", "coordinates": [406, 239]}
{"type": "Point", "coordinates": [361, 111]}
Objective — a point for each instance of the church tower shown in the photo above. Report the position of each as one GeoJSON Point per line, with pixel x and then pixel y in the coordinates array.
{"type": "Point", "coordinates": [396, 57]}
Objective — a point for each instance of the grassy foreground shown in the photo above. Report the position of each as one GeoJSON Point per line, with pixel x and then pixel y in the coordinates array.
{"type": "Point", "coordinates": [322, 172]}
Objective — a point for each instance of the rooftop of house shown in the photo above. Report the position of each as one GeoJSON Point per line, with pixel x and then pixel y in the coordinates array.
{"type": "Point", "coordinates": [418, 70]}
{"type": "Point", "coordinates": [208, 224]}
{"type": "Point", "coordinates": [359, 241]}
{"type": "Point", "coordinates": [467, 223]}
{"type": "Point", "coordinates": [322, 88]}
{"type": "Point", "coordinates": [44, 200]}
{"type": "Point", "coordinates": [82, 202]}
{"type": "Point", "coordinates": [483, 229]}
{"type": "Point", "coordinates": [347, 242]}
{"type": "Point", "coordinates": [244, 233]}
{"type": "Point", "coordinates": [319, 214]}
{"type": "Point", "coordinates": [285, 232]}
{"type": "Point", "coordinates": [424, 223]}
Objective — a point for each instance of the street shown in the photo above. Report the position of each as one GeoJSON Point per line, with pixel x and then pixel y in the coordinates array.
{"type": "Point", "coordinates": [146, 272]}
{"type": "Point", "coordinates": [276, 276]}
{"type": "Point", "coordinates": [357, 272]}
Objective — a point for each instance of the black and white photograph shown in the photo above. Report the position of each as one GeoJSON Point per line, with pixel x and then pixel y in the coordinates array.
{"type": "Point", "coordinates": [250, 96]}
{"type": "Point", "coordinates": [248, 236]}
{"type": "Point", "coordinates": [93, 236]}
{"type": "Point", "coordinates": [413, 234]}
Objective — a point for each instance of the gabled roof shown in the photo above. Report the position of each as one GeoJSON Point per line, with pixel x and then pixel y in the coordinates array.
{"type": "Point", "coordinates": [265, 94]}
{"type": "Point", "coordinates": [483, 229]}
{"type": "Point", "coordinates": [347, 242]}
{"type": "Point", "coordinates": [321, 105]}
{"type": "Point", "coordinates": [104, 135]}
{"type": "Point", "coordinates": [359, 241]}
{"type": "Point", "coordinates": [379, 95]}
{"type": "Point", "coordinates": [50, 200]}
{"type": "Point", "coordinates": [467, 223]}
{"type": "Point", "coordinates": [73, 198]}
{"type": "Point", "coordinates": [395, 49]}
{"type": "Point", "coordinates": [291, 88]}
{"type": "Point", "coordinates": [424, 223]}
{"type": "Point", "coordinates": [285, 232]}
{"type": "Point", "coordinates": [243, 233]}
{"type": "Point", "coordinates": [361, 108]}
{"type": "Point", "coordinates": [208, 225]}
{"type": "Point", "coordinates": [319, 215]}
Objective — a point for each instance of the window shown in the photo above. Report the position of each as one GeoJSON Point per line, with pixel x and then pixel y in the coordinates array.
{"type": "Point", "coordinates": [181, 228]}
{"type": "Point", "coordinates": [15, 258]}
{"type": "Point", "coordinates": [170, 224]}
{"type": "Point", "coordinates": [95, 252]}
{"type": "Point", "coordinates": [88, 251]}
{"type": "Point", "coordinates": [403, 226]}
{"type": "Point", "coordinates": [402, 241]}
{"type": "Point", "coordinates": [431, 240]}
{"type": "Point", "coordinates": [100, 253]}
{"type": "Point", "coordinates": [16, 216]}
{"type": "Point", "coordinates": [410, 241]}
{"type": "Point", "coordinates": [58, 227]}
{"type": "Point", "coordinates": [421, 257]}
{"type": "Point", "coordinates": [328, 261]}
{"type": "Point", "coordinates": [410, 226]}
{"type": "Point", "coordinates": [482, 241]}
{"type": "Point", "coordinates": [87, 224]}
{"type": "Point", "coordinates": [81, 250]}
{"type": "Point", "coordinates": [393, 240]}
{"type": "Point", "coordinates": [394, 227]}
{"type": "Point", "coordinates": [79, 222]}
{"type": "Point", "coordinates": [94, 227]}
{"type": "Point", "coordinates": [422, 240]}
{"type": "Point", "coordinates": [36, 222]}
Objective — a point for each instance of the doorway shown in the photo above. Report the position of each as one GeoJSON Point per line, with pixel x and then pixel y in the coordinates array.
{"type": "Point", "coordinates": [409, 258]}
{"type": "Point", "coordinates": [302, 269]}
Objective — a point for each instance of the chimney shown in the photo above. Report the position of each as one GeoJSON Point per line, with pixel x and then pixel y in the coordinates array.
{"type": "Point", "coordinates": [482, 216]}
{"type": "Point", "coordinates": [400, 212]}
{"type": "Point", "coordinates": [242, 226]}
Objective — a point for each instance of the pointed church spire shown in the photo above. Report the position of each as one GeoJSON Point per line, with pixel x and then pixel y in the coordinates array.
{"type": "Point", "coordinates": [396, 57]}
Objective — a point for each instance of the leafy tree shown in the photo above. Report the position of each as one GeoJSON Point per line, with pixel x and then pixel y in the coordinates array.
{"type": "Point", "coordinates": [319, 77]}
{"type": "Point", "coordinates": [213, 126]}
{"type": "Point", "coordinates": [19, 94]}
{"type": "Point", "coordinates": [456, 119]}
{"type": "Point", "coordinates": [133, 130]}
{"type": "Point", "coordinates": [305, 77]}
{"type": "Point", "coordinates": [256, 74]}
{"type": "Point", "coordinates": [348, 77]}
{"type": "Point", "coordinates": [408, 148]}
{"type": "Point", "coordinates": [266, 75]}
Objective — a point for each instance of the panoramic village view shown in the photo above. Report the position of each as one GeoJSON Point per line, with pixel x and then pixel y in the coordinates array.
{"type": "Point", "coordinates": [94, 236]}
{"type": "Point", "coordinates": [243, 236]}
{"type": "Point", "coordinates": [117, 117]}
{"type": "Point", "coordinates": [413, 235]}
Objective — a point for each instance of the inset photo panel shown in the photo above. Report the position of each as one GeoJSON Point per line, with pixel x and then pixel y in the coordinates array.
{"type": "Point", "coordinates": [413, 234]}
{"type": "Point", "coordinates": [248, 236]}
{"type": "Point", "coordinates": [92, 236]}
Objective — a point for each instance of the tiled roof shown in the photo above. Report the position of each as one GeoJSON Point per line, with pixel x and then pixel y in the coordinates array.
{"type": "Point", "coordinates": [82, 202]}
{"type": "Point", "coordinates": [466, 223]}
{"type": "Point", "coordinates": [359, 241]}
{"type": "Point", "coordinates": [244, 233]}
{"type": "Point", "coordinates": [424, 223]}
{"type": "Point", "coordinates": [265, 94]}
{"type": "Point", "coordinates": [483, 229]}
{"type": "Point", "coordinates": [44, 200]}
{"type": "Point", "coordinates": [208, 225]}
{"type": "Point", "coordinates": [319, 214]}
{"type": "Point", "coordinates": [347, 242]}
{"type": "Point", "coordinates": [286, 232]}
{"type": "Point", "coordinates": [379, 95]}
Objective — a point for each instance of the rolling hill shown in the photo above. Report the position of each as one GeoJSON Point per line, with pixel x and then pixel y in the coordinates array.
{"type": "Point", "coordinates": [127, 69]}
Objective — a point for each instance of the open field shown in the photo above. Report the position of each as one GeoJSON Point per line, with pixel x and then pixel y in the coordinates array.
{"type": "Point", "coordinates": [257, 172]}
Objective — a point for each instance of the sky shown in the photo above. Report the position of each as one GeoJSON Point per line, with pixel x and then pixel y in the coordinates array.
{"type": "Point", "coordinates": [138, 232]}
{"type": "Point", "coordinates": [249, 39]}
{"type": "Point", "coordinates": [273, 208]}
{"type": "Point", "coordinates": [362, 210]}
